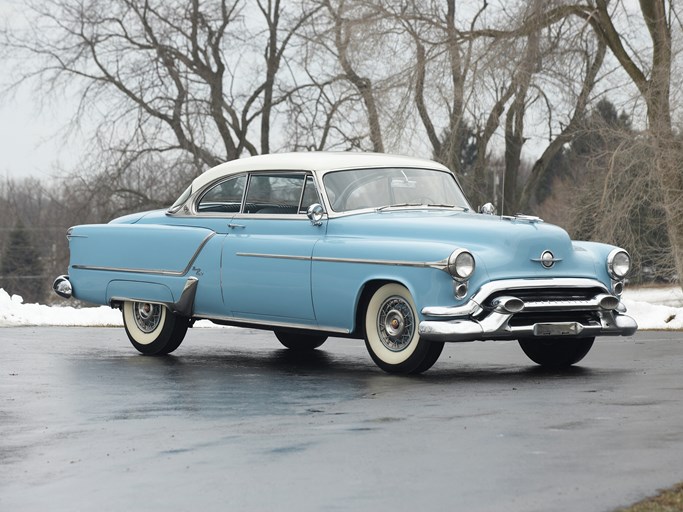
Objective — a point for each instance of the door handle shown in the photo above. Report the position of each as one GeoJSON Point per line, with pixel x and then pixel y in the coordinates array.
{"type": "Point", "coordinates": [236, 226]}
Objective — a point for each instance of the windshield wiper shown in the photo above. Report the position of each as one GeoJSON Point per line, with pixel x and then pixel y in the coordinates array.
{"type": "Point", "coordinates": [399, 205]}
{"type": "Point", "coordinates": [449, 206]}
{"type": "Point", "coordinates": [430, 205]}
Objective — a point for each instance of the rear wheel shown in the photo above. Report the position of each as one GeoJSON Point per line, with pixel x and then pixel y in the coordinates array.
{"type": "Point", "coordinates": [556, 352]}
{"type": "Point", "coordinates": [296, 341]}
{"type": "Point", "coordinates": [152, 328]}
{"type": "Point", "coordinates": [391, 332]}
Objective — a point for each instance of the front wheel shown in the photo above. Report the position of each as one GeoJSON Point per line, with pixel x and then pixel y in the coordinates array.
{"type": "Point", "coordinates": [297, 341]}
{"type": "Point", "coordinates": [556, 352]}
{"type": "Point", "coordinates": [391, 332]}
{"type": "Point", "coordinates": [152, 328]}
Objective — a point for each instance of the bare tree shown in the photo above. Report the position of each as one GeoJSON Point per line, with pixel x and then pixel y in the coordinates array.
{"type": "Point", "coordinates": [346, 25]}
{"type": "Point", "coordinates": [653, 81]}
{"type": "Point", "coordinates": [193, 81]}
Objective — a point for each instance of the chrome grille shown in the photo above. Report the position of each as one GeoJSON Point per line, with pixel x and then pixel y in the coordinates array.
{"type": "Point", "coordinates": [548, 296]}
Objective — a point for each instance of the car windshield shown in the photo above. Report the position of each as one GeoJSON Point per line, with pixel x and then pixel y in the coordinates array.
{"type": "Point", "coordinates": [393, 187]}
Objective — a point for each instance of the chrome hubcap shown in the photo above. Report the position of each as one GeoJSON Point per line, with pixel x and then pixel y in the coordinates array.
{"type": "Point", "coordinates": [147, 316]}
{"type": "Point", "coordinates": [395, 324]}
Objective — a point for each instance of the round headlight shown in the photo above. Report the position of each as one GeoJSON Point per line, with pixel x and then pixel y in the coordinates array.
{"type": "Point", "coordinates": [618, 263]}
{"type": "Point", "coordinates": [461, 264]}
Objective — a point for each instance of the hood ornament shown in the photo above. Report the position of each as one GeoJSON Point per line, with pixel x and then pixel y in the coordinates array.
{"type": "Point", "coordinates": [547, 259]}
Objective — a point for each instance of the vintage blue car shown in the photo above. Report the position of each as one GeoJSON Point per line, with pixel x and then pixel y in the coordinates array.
{"type": "Point", "coordinates": [378, 247]}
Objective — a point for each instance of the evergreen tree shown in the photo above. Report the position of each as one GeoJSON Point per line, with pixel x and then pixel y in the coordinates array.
{"type": "Point", "coordinates": [21, 270]}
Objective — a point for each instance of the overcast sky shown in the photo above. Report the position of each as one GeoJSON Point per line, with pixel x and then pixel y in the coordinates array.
{"type": "Point", "coordinates": [30, 142]}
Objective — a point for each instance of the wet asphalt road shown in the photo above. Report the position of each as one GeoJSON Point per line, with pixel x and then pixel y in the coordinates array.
{"type": "Point", "coordinates": [234, 422]}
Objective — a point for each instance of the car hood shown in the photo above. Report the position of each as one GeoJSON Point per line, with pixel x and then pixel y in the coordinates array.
{"type": "Point", "coordinates": [503, 247]}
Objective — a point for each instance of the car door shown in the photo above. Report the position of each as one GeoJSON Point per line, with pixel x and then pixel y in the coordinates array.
{"type": "Point", "coordinates": [266, 265]}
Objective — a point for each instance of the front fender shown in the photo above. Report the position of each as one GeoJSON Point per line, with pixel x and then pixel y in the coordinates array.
{"type": "Point", "coordinates": [341, 269]}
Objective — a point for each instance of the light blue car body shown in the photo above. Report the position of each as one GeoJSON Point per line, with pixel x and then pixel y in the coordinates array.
{"type": "Point", "coordinates": [272, 271]}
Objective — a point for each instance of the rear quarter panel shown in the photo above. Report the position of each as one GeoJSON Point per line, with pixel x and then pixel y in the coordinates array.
{"type": "Point", "coordinates": [149, 262]}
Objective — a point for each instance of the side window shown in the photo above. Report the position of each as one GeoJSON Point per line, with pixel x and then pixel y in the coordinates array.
{"type": "Point", "coordinates": [224, 197]}
{"type": "Point", "coordinates": [274, 193]}
{"type": "Point", "coordinates": [310, 195]}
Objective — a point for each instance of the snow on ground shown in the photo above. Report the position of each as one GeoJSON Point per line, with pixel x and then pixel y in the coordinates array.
{"type": "Point", "coordinates": [13, 313]}
{"type": "Point", "coordinates": [653, 308]}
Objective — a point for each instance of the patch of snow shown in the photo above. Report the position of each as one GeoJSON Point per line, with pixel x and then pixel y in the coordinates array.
{"type": "Point", "coordinates": [652, 308]}
{"type": "Point", "coordinates": [654, 316]}
{"type": "Point", "coordinates": [664, 296]}
{"type": "Point", "coordinates": [14, 313]}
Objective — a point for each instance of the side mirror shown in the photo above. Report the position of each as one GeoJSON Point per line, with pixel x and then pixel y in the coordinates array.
{"type": "Point", "coordinates": [315, 213]}
{"type": "Point", "coordinates": [487, 209]}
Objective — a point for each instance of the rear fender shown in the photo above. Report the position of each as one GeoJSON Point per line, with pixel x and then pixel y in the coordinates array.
{"type": "Point", "coordinates": [143, 248]}
{"type": "Point", "coordinates": [110, 262]}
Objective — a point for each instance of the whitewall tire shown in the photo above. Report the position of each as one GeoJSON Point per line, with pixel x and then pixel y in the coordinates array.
{"type": "Point", "coordinates": [391, 332]}
{"type": "Point", "coordinates": [152, 328]}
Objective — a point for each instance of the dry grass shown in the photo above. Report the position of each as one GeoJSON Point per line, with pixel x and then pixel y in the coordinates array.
{"type": "Point", "coordinates": [670, 500]}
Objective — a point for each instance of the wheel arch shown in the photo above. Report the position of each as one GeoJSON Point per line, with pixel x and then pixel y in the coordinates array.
{"type": "Point", "coordinates": [365, 294]}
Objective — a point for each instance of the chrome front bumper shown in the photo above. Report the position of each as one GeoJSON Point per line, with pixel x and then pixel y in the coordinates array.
{"type": "Point", "coordinates": [483, 318]}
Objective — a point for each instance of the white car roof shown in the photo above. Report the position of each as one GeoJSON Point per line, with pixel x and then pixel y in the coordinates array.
{"type": "Point", "coordinates": [312, 161]}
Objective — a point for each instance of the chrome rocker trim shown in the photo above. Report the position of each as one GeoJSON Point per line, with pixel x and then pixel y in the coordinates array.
{"type": "Point", "coordinates": [458, 324]}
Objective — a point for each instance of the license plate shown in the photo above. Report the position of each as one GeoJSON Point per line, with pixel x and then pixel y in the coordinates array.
{"type": "Point", "coordinates": [558, 329]}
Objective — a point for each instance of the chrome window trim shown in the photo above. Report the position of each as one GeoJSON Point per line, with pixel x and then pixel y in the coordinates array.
{"type": "Point", "coordinates": [334, 214]}
{"type": "Point", "coordinates": [189, 208]}
{"type": "Point", "coordinates": [197, 196]}
{"type": "Point", "coordinates": [274, 172]}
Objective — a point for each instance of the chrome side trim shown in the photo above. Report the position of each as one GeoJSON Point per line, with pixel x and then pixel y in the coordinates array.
{"type": "Point", "coordinates": [157, 272]}
{"type": "Point", "coordinates": [272, 256]}
{"type": "Point", "coordinates": [439, 265]}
